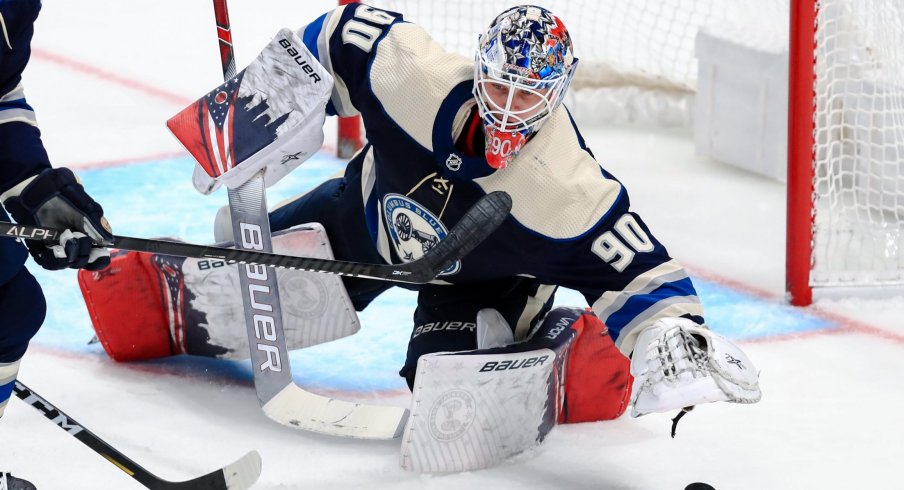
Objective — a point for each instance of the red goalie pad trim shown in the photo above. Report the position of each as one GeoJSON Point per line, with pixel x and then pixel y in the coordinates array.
{"type": "Point", "coordinates": [598, 376]}
{"type": "Point", "coordinates": [123, 302]}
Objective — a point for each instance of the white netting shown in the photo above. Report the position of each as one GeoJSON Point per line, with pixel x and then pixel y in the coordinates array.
{"type": "Point", "coordinates": [637, 57]}
{"type": "Point", "coordinates": [859, 186]}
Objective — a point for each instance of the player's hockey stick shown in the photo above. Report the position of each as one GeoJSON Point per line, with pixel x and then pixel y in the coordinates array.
{"type": "Point", "coordinates": [236, 476]}
{"type": "Point", "coordinates": [477, 224]}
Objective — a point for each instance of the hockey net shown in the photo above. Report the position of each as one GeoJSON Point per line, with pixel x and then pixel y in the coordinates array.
{"type": "Point", "coordinates": [637, 61]}
{"type": "Point", "coordinates": [638, 65]}
{"type": "Point", "coordinates": [846, 140]}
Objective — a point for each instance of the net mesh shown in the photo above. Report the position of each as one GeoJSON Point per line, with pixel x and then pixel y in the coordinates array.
{"type": "Point", "coordinates": [637, 62]}
{"type": "Point", "coordinates": [859, 171]}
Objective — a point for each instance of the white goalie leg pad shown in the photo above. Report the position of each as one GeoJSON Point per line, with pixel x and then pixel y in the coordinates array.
{"type": "Point", "coordinates": [673, 369]}
{"type": "Point", "coordinates": [475, 409]}
{"type": "Point", "coordinates": [316, 308]}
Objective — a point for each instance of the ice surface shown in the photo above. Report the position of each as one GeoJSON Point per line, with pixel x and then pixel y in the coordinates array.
{"type": "Point", "coordinates": [830, 416]}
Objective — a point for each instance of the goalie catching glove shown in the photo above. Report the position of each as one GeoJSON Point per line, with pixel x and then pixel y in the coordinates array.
{"type": "Point", "coordinates": [56, 199]}
{"type": "Point", "coordinates": [677, 363]}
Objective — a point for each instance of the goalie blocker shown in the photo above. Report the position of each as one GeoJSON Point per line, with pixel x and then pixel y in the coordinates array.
{"type": "Point", "coordinates": [475, 409]}
{"type": "Point", "coordinates": [146, 306]}
{"type": "Point", "coordinates": [256, 123]}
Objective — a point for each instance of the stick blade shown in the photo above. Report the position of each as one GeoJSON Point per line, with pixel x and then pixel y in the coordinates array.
{"type": "Point", "coordinates": [239, 475]}
{"type": "Point", "coordinates": [300, 409]}
{"type": "Point", "coordinates": [474, 227]}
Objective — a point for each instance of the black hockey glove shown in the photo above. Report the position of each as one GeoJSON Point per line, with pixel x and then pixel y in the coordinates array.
{"type": "Point", "coordinates": [55, 199]}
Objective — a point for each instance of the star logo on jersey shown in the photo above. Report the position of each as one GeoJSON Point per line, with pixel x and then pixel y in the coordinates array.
{"type": "Point", "coordinates": [413, 229]}
{"type": "Point", "coordinates": [453, 163]}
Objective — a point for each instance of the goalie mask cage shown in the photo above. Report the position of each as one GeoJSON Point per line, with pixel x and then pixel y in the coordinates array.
{"type": "Point", "coordinates": [845, 226]}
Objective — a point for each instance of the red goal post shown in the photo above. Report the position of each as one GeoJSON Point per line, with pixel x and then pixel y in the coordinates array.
{"type": "Point", "coordinates": [801, 153]}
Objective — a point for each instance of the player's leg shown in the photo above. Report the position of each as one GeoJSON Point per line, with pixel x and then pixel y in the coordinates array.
{"type": "Point", "coordinates": [22, 310]}
{"type": "Point", "coordinates": [503, 398]}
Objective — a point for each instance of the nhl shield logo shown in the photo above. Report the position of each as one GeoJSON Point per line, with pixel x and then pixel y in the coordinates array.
{"type": "Point", "coordinates": [453, 163]}
{"type": "Point", "coordinates": [413, 229]}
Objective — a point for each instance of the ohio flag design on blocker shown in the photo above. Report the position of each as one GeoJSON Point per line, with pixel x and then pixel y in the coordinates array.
{"type": "Point", "coordinates": [268, 117]}
{"type": "Point", "coordinates": [216, 116]}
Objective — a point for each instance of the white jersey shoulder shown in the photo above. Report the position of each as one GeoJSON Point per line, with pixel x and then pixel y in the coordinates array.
{"type": "Point", "coordinates": [558, 189]}
{"type": "Point", "coordinates": [412, 75]}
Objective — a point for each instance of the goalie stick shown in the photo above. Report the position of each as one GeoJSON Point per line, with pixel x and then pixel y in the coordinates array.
{"type": "Point", "coordinates": [236, 476]}
{"type": "Point", "coordinates": [260, 291]}
{"type": "Point", "coordinates": [476, 225]}
{"type": "Point", "coordinates": [281, 398]}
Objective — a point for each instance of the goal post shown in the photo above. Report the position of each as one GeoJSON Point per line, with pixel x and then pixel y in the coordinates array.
{"type": "Point", "coordinates": [801, 97]}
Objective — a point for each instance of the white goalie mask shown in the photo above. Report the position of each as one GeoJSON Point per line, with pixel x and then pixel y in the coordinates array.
{"type": "Point", "coordinates": [522, 69]}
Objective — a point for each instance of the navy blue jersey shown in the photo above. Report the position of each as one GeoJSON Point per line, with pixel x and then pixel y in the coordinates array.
{"type": "Point", "coordinates": [22, 154]}
{"type": "Point", "coordinates": [571, 225]}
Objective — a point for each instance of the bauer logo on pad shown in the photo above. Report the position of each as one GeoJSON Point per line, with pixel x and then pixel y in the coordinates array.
{"type": "Point", "coordinates": [267, 118]}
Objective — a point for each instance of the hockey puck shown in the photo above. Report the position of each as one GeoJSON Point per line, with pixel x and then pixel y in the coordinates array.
{"type": "Point", "coordinates": [699, 486]}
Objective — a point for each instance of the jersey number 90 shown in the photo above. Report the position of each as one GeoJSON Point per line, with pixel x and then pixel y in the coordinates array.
{"type": "Point", "coordinates": [619, 252]}
{"type": "Point", "coordinates": [364, 35]}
